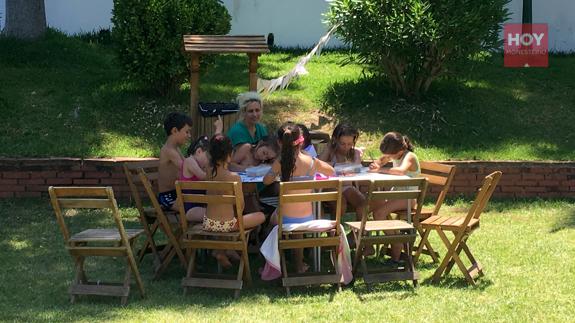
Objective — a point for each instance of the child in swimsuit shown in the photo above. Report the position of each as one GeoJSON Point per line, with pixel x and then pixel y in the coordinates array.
{"type": "Point", "coordinates": [221, 218]}
{"type": "Point", "coordinates": [294, 165]}
{"type": "Point", "coordinates": [194, 169]}
{"type": "Point", "coordinates": [399, 150]}
{"type": "Point", "coordinates": [177, 127]}
{"type": "Point", "coordinates": [342, 149]}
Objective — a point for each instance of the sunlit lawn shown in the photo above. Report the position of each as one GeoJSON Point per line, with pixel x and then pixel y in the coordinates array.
{"type": "Point", "coordinates": [526, 247]}
{"type": "Point", "coordinates": [65, 97]}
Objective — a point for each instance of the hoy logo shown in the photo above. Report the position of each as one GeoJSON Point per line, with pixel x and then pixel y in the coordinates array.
{"type": "Point", "coordinates": [525, 45]}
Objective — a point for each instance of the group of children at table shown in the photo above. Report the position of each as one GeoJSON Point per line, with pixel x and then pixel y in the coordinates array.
{"type": "Point", "coordinates": [292, 157]}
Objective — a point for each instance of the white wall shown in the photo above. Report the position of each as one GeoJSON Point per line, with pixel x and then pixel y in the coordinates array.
{"type": "Point", "coordinates": [293, 22]}
{"type": "Point", "coordinates": [559, 15]}
{"type": "Point", "coordinates": [74, 16]}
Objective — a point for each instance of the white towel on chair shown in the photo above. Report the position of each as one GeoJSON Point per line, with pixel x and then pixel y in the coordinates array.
{"type": "Point", "coordinates": [270, 250]}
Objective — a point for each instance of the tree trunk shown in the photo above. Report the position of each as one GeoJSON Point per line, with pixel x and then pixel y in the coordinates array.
{"type": "Point", "coordinates": [25, 19]}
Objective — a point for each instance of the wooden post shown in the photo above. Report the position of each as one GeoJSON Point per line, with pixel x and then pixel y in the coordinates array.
{"type": "Point", "coordinates": [194, 92]}
{"type": "Point", "coordinates": [253, 71]}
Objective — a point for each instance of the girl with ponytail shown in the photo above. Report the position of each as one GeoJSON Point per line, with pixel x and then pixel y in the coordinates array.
{"type": "Point", "coordinates": [293, 165]}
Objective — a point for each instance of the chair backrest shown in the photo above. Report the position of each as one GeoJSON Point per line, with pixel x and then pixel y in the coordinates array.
{"type": "Point", "coordinates": [332, 194]}
{"type": "Point", "coordinates": [483, 195]}
{"type": "Point", "coordinates": [131, 171]}
{"type": "Point", "coordinates": [233, 197]}
{"type": "Point", "coordinates": [63, 198]}
{"type": "Point", "coordinates": [205, 125]}
{"type": "Point", "coordinates": [146, 180]}
{"type": "Point", "coordinates": [440, 175]}
{"type": "Point", "coordinates": [397, 189]}
{"type": "Point", "coordinates": [319, 139]}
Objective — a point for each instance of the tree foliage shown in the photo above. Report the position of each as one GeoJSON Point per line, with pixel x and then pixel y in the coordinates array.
{"type": "Point", "coordinates": [149, 34]}
{"type": "Point", "coordinates": [412, 42]}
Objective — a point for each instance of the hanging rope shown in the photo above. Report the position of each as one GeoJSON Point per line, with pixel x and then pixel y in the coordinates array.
{"type": "Point", "coordinates": [267, 87]}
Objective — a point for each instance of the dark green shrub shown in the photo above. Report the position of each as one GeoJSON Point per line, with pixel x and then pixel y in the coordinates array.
{"type": "Point", "coordinates": [149, 33]}
{"type": "Point", "coordinates": [412, 42]}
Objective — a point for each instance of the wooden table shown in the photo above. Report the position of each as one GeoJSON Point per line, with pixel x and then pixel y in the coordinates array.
{"type": "Point", "coordinates": [250, 181]}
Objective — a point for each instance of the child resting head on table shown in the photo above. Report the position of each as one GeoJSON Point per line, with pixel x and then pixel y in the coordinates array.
{"type": "Point", "coordinates": [247, 155]}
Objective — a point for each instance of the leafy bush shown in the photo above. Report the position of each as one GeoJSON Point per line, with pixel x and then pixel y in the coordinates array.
{"type": "Point", "coordinates": [149, 36]}
{"type": "Point", "coordinates": [413, 42]}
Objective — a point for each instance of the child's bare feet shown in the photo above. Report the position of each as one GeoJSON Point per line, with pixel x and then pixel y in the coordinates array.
{"type": "Point", "coordinates": [233, 255]}
{"type": "Point", "coordinates": [222, 259]}
{"type": "Point", "coordinates": [302, 268]}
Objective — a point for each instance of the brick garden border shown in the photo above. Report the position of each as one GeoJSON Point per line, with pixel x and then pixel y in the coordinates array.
{"type": "Point", "coordinates": [31, 177]}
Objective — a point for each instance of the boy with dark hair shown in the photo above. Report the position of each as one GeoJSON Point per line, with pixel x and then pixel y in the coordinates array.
{"type": "Point", "coordinates": [177, 126]}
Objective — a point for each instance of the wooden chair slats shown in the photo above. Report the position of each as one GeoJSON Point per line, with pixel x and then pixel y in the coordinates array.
{"type": "Point", "coordinates": [318, 197]}
{"type": "Point", "coordinates": [313, 185]}
{"type": "Point", "coordinates": [103, 235]}
{"type": "Point", "coordinates": [207, 199]}
{"type": "Point", "coordinates": [110, 242]}
{"type": "Point", "coordinates": [395, 195]}
{"type": "Point", "coordinates": [82, 192]}
{"type": "Point", "coordinates": [427, 166]}
{"type": "Point", "coordinates": [85, 203]}
{"type": "Point", "coordinates": [381, 225]}
{"type": "Point", "coordinates": [437, 174]}
{"type": "Point", "coordinates": [195, 237]}
{"type": "Point", "coordinates": [461, 227]}
{"type": "Point", "coordinates": [207, 185]}
{"type": "Point", "coordinates": [369, 232]}
{"type": "Point", "coordinates": [148, 215]}
{"type": "Point", "coordinates": [171, 228]}
{"type": "Point", "coordinates": [299, 239]}
{"type": "Point", "coordinates": [435, 179]}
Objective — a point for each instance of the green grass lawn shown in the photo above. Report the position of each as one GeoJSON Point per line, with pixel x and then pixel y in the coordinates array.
{"type": "Point", "coordinates": [526, 248]}
{"type": "Point", "coordinates": [64, 96]}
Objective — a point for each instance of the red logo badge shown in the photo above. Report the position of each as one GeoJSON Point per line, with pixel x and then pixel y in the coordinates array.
{"type": "Point", "coordinates": [526, 45]}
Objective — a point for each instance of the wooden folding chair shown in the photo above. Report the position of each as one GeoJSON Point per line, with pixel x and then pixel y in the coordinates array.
{"type": "Point", "coordinates": [113, 242]}
{"type": "Point", "coordinates": [372, 232]}
{"type": "Point", "coordinates": [437, 174]}
{"type": "Point", "coordinates": [461, 227]}
{"type": "Point", "coordinates": [147, 215]}
{"type": "Point", "coordinates": [196, 238]}
{"type": "Point", "coordinates": [167, 222]}
{"type": "Point", "coordinates": [304, 239]}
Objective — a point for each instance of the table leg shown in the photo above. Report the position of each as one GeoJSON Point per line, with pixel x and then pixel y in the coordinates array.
{"type": "Point", "coordinates": [317, 250]}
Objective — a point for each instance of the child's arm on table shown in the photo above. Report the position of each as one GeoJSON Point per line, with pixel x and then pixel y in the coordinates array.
{"type": "Point", "coordinates": [407, 164]}
{"type": "Point", "coordinates": [376, 165]}
{"type": "Point", "coordinates": [271, 176]}
{"type": "Point", "coordinates": [324, 168]}
{"type": "Point", "coordinates": [239, 155]}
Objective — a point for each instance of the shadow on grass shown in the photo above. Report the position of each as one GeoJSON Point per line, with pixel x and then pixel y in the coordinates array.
{"type": "Point", "coordinates": [453, 282]}
{"type": "Point", "coordinates": [493, 108]}
{"type": "Point", "coordinates": [382, 291]}
{"type": "Point", "coordinates": [566, 222]}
